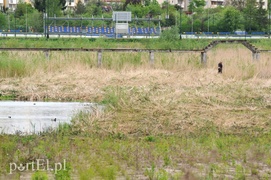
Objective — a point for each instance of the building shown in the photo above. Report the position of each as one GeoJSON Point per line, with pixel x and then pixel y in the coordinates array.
{"type": "Point", "coordinates": [10, 4]}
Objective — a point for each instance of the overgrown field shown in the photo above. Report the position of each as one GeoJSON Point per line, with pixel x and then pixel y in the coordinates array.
{"type": "Point", "coordinates": [178, 119]}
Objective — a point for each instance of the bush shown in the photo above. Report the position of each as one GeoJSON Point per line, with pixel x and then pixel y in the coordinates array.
{"type": "Point", "coordinates": [171, 34]}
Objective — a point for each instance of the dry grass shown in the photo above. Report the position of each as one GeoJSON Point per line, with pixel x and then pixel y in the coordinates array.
{"type": "Point", "coordinates": [177, 93]}
{"type": "Point", "coordinates": [176, 118]}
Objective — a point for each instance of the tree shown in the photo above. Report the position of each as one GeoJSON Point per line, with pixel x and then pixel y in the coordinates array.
{"type": "Point", "coordinates": [231, 20]}
{"type": "Point", "coordinates": [132, 2]}
{"type": "Point", "coordinates": [261, 17]}
{"type": "Point", "coordinates": [40, 5]}
{"type": "Point", "coordinates": [62, 4]}
{"type": "Point", "coordinates": [54, 7]}
{"type": "Point", "coordinates": [22, 9]}
{"type": "Point", "coordinates": [94, 8]}
{"type": "Point", "coordinates": [80, 8]}
{"type": "Point", "coordinates": [238, 4]}
{"type": "Point", "coordinates": [171, 34]}
{"type": "Point", "coordinates": [3, 21]}
{"type": "Point", "coordinates": [35, 21]}
{"type": "Point", "coordinates": [194, 4]}
{"type": "Point", "coordinates": [137, 10]}
{"type": "Point", "coordinates": [250, 13]}
{"type": "Point", "coordinates": [170, 11]}
{"type": "Point", "coordinates": [154, 9]}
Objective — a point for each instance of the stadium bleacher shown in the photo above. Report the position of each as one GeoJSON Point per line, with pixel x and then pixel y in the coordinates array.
{"type": "Point", "coordinates": [108, 31]}
{"type": "Point", "coordinates": [257, 33]}
{"type": "Point", "coordinates": [223, 33]}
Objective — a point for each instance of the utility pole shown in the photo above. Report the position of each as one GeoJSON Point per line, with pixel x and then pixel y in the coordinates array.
{"type": "Point", "coordinates": [15, 22]}
{"type": "Point", "coordinates": [180, 21]}
{"type": "Point", "coordinates": [208, 6]}
{"type": "Point", "coordinates": [269, 19]}
{"type": "Point", "coordinates": [26, 21]}
{"type": "Point", "coordinates": [167, 16]}
{"type": "Point", "coordinates": [47, 17]}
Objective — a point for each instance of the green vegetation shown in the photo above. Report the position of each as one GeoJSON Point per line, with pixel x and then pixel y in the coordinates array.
{"type": "Point", "coordinates": [164, 43]}
{"type": "Point", "coordinates": [213, 153]}
{"type": "Point", "coordinates": [174, 120]}
{"type": "Point", "coordinates": [168, 40]}
{"type": "Point", "coordinates": [250, 16]}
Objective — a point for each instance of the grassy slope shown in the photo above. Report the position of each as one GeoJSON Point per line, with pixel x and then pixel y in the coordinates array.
{"type": "Point", "coordinates": [175, 120]}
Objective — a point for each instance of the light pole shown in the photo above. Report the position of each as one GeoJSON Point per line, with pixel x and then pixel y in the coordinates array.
{"type": "Point", "coordinates": [192, 30]}
{"type": "Point", "coordinates": [26, 21]}
{"type": "Point", "coordinates": [192, 8]}
{"type": "Point", "coordinates": [180, 21]}
{"type": "Point", "coordinates": [269, 19]}
{"type": "Point", "coordinates": [167, 15]}
{"type": "Point", "coordinates": [149, 26]}
{"type": "Point", "coordinates": [208, 14]}
{"type": "Point", "coordinates": [47, 18]}
{"type": "Point", "coordinates": [8, 22]}
{"type": "Point", "coordinates": [15, 22]}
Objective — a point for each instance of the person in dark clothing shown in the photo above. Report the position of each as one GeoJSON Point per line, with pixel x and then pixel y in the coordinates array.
{"type": "Point", "coordinates": [220, 67]}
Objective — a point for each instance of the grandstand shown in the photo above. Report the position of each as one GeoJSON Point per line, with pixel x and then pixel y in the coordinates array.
{"type": "Point", "coordinates": [103, 31]}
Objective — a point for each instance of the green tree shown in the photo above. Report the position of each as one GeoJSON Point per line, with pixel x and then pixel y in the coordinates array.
{"type": "Point", "coordinates": [62, 4]}
{"type": "Point", "coordinates": [137, 10]}
{"type": "Point", "coordinates": [194, 4]}
{"type": "Point", "coordinates": [39, 5]}
{"type": "Point", "coordinates": [94, 8]}
{"type": "Point", "coordinates": [133, 2]}
{"type": "Point", "coordinates": [215, 17]}
{"type": "Point", "coordinates": [154, 9]}
{"type": "Point", "coordinates": [238, 4]}
{"type": "Point", "coordinates": [250, 13]}
{"type": "Point", "coordinates": [261, 17]}
{"type": "Point", "coordinates": [171, 34]}
{"type": "Point", "coordinates": [3, 21]}
{"type": "Point", "coordinates": [80, 8]}
{"type": "Point", "coordinates": [231, 20]}
{"type": "Point", "coordinates": [22, 9]}
{"type": "Point", "coordinates": [35, 21]}
{"type": "Point", "coordinates": [52, 7]}
{"type": "Point", "coordinates": [170, 11]}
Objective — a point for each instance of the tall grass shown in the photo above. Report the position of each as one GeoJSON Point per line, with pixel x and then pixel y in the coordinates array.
{"type": "Point", "coordinates": [178, 119]}
{"type": "Point", "coordinates": [203, 154]}
{"type": "Point", "coordinates": [103, 43]}
{"type": "Point", "coordinates": [237, 62]}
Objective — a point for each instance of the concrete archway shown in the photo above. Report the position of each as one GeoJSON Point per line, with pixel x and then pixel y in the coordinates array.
{"type": "Point", "coordinates": [253, 49]}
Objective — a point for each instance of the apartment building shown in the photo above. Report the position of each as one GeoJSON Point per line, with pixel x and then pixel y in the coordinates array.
{"type": "Point", "coordinates": [10, 4]}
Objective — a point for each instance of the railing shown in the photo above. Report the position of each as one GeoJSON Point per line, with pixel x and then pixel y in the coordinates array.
{"type": "Point", "coordinates": [255, 51]}
{"type": "Point", "coordinates": [226, 35]}
{"type": "Point", "coordinates": [99, 51]}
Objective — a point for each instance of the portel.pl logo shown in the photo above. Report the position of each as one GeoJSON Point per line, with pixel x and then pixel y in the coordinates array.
{"type": "Point", "coordinates": [38, 165]}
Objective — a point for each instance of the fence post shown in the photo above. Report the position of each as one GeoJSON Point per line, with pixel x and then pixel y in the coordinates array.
{"type": "Point", "coordinates": [151, 58]}
{"type": "Point", "coordinates": [99, 55]}
{"type": "Point", "coordinates": [255, 55]}
{"type": "Point", "coordinates": [47, 55]}
{"type": "Point", "coordinates": [203, 57]}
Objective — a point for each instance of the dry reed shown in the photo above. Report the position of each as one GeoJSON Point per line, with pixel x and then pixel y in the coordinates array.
{"type": "Point", "coordinates": [178, 93]}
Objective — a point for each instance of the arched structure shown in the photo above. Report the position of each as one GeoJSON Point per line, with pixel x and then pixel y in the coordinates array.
{"type": "Point", "coordinates": [253, 49]}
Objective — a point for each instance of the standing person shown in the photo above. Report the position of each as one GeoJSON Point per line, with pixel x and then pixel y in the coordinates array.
{"type": "Point", "coordinates": [220, 67]}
